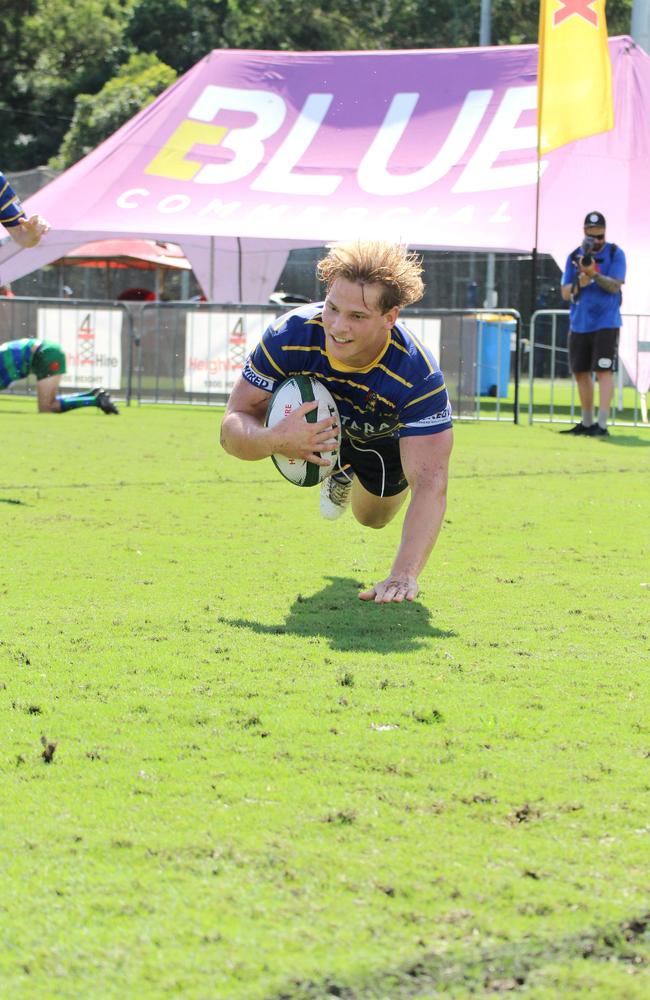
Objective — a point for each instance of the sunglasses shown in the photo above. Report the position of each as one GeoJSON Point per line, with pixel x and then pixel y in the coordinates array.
{"type": "Point", "coordinates": [596, 237]}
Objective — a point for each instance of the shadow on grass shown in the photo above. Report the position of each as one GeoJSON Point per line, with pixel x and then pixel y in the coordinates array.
{"type": "Point", "coordinates": [626, 440]}
{"type": "Point", "coordinates": [505, 968]}
{"type": "Point", "coordinates": [621, 440]}
{"type": "Point", "coordinates": [18, 503]}
{"type": "Point", "coordinates": [351, 625]}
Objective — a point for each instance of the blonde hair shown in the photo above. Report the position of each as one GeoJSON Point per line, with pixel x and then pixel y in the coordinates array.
{"type": "Point", "coordinates": [367, 262]}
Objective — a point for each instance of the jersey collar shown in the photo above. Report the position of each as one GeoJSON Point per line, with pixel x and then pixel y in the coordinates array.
{"type": "Point", "coordinates": [340, 366]}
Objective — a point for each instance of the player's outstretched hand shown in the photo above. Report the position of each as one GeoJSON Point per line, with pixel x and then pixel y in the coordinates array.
{"type": "Point", "coordinates": [393, 590]}
{"type": "Point", "coordinates": [28, 232]}
{"type": "Point", "coordinates": [296, 438]}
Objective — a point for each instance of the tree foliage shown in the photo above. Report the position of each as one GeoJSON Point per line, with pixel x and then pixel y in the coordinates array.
{"type": "Point", "coordinates": [97, 116]}
{"type": "Point", "coordinates": [17, 125]}
{"type": "Point", "coordinates": [66, 47]}
{"type": "Point", "coordinates": [58, 57]}
{"type": "Point", "coordinates": [179, 32]}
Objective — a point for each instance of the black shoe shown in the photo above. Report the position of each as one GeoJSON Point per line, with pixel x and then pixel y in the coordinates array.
{"type": "Point", "coordinates": [596, 431]}
{"type": "Point", "coordinates": [579, 429]}
{"type": "Point", "coordinates": [104, 401]}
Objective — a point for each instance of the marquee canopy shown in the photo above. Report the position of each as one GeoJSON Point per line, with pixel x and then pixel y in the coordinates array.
{"type": "Point", "coordinates": [251, 153]}
{"type": "Point", "coordinates": [146, 255]}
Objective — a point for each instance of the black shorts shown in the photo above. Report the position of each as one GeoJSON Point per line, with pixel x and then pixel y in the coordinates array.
{"type": "Point", "coordinates": [594, 352]}
{"type": "Point", "coordinates": [377, 463]}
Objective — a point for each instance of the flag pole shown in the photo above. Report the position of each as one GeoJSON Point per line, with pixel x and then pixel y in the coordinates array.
{"type": "Point", "coordinates": [541, 48]}
{"type": "Point", "coordinates": [533, 276]}
{"type": "Point", "coordinates": [540, 101]}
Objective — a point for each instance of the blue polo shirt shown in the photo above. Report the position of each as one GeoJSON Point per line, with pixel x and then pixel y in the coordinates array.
{"type": "Point", "coordinates": [595, 308]}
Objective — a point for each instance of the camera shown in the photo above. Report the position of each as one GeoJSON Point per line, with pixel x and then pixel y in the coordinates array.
{"type": "Point", "coordinates": [587, 246]}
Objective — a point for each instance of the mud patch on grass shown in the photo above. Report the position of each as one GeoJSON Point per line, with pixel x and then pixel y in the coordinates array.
{"type": "Point", "coordinates": [49, 749]}
{"type": "Point", "coordinates": [524, 814]}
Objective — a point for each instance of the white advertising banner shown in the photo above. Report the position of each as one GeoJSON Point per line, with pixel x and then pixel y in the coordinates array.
{"type": "Point", "coordinates": [216, 347]}
{"type": "Point", "coordinates": [92, 342]}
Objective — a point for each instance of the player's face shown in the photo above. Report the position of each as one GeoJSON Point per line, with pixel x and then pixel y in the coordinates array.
{"type": "Point", "coordinates": [356, 330]}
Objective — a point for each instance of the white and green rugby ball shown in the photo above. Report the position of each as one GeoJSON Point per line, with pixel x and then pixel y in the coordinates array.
{"type": "Point", "coordinates": [288, 396]}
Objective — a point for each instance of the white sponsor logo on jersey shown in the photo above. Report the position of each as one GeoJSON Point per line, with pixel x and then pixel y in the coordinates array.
{"type": "Point", "coordinates": [433, 418]}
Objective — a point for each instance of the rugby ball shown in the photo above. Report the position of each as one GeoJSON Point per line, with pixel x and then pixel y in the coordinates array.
{"type": "Point", "coordinates": [288, 396]}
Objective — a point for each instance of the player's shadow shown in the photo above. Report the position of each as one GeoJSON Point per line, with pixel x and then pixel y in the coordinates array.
{"type": "Point", "coordinates": [351, 625]}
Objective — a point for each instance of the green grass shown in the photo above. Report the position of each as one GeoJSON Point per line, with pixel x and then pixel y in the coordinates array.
{"type": "Point", "coordinates": [555, 401]}
{"type": "Point", "coordinates": [264, 788]}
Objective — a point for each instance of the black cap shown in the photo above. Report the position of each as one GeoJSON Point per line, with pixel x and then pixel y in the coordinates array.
{"type": "Point", "coordinates": [595, 219]}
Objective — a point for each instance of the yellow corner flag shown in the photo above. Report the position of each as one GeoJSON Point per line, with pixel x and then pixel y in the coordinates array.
{"type": "Point", "coordinates": [574, 76]}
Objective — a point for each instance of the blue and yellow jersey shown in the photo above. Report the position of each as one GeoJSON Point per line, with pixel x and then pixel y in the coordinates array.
{"type": "Point", "coordinates": [11, 211]}
{"type": "Point", "coordinates": [402, 393]}
{"type": "Point", "coordinates": [16, 360]}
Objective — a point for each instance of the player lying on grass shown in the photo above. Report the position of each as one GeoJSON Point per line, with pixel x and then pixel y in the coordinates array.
{"type": "Point", "coordinates": [393, 404]}
{"type": "Point", "coordinates": [45, 360]}
{"type": "Point", "coordinates": [20, 358]}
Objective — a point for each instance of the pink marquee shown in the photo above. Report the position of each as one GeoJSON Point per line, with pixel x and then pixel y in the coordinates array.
{"type": "Point", "coordinates": [252, 153]}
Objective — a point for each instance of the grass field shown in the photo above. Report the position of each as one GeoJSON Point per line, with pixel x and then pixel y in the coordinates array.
{"type": "Point", "coordinates": [555, 401]}
{"type": "Point", "coordinates": [223, 777]}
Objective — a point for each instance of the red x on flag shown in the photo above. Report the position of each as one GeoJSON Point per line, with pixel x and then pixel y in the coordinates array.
{"type": "Point", "coordinates": [580, 7]}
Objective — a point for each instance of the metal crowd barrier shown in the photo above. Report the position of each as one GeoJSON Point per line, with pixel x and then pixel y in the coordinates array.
{"type": "Point", "coordinates": [551, 394]}
{"type": "Point", "coordinates": [96, 336]}
{"type": "Point", "coordinates": [193, 352]}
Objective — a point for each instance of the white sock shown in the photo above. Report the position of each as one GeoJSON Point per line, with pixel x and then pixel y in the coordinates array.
{"type": "Point", "coordinates": [602, 418]}
{"type": "Point", "coordinates": [587, 418]}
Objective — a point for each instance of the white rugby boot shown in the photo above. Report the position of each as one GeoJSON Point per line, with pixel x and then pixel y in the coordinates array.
{"type": "Point", "coordinates": [335, 495]}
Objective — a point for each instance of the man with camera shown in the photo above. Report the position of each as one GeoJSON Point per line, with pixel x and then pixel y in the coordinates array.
{"type": "Point", "coordinates": [592, 281]}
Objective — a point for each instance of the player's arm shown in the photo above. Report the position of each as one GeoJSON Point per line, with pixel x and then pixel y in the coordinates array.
{"type": "Point", "coordinates": [28, 232]}
{"type": "Point", "coordinates": [425, 460]}
{"type": "Point", "coordinates": [244, 435]}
